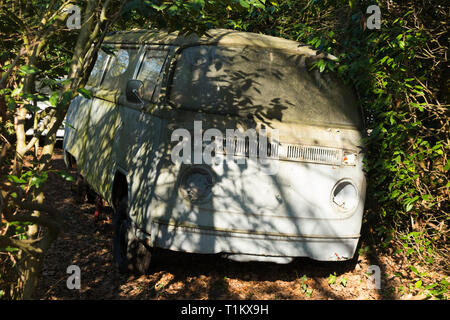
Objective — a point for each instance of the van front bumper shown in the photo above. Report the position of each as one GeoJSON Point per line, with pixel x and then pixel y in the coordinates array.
{"type": "Point", "coordinates": [189, 238]}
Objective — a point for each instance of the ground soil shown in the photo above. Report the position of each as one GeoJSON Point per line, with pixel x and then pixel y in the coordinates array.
{"type": "Point", "coordinates": [193, 276]}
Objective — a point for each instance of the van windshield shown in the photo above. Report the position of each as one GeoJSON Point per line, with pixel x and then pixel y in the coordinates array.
{"type": "Point", "coordinates": [265, 82]}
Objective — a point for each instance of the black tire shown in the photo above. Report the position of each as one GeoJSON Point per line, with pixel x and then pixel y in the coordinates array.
{"type": "Point", "coordinates": [91, 196]}
{"type": "Point", "coordinates": [130, 254]}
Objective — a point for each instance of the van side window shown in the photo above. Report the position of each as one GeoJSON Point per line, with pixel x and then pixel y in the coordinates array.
{"type": "Point", "coordinates": [97, 71]}
{"type": "Point", "coordinates": [120, 69]}
{"type": "Point", "coordinates": [150, 71]}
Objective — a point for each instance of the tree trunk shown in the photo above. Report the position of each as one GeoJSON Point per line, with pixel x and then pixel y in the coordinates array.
{"type": "Point", "coordinates": [32, 261]}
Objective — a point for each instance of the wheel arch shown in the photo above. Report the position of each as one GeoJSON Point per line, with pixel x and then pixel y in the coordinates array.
{"type": "Point", "coordinates": [119, 188]}
{"type": "Point", "coordinates": [70, 160]}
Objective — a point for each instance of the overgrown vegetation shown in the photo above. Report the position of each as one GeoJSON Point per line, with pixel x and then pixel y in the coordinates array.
{"type": "Point", "coordinates": [400, 74]}
{"type": "Point", "coordinates": [41, 61]}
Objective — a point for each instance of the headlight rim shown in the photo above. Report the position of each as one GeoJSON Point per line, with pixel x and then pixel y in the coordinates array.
{"type": "Point", "coordinates": [190, 169]}
{"type": "Point", "coordinates": [339, 208]}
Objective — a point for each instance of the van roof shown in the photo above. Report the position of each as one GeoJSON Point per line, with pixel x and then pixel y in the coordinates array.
{"type": "Point", "coordinates": [212, 36]}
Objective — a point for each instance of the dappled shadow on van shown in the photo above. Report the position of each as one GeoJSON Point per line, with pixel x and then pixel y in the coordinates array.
{"type": "Point", "coordinates": [231, 87]}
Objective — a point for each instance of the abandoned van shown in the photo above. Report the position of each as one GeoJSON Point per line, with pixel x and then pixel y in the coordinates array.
{"type": "Point", "coordinates": [228, 143]}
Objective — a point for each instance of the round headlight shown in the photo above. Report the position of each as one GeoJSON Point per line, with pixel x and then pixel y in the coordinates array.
{"type": "Point", "coordinates": [196, 184]}
{"type": "Point", "coordinates": [345, 195]}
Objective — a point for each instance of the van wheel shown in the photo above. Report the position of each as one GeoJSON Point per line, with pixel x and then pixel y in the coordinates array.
{"type": "Point", "coordinates": [130, 254]}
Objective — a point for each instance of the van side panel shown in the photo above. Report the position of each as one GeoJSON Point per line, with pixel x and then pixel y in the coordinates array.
{"type": "Point", "coordinates": [98, 164]}
{"type": "Point", "coordinates": [75, 135]}
{"type": "Point", "coordinates": [137, 151]}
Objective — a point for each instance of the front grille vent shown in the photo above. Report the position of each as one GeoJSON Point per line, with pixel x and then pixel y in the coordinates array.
{"type": "Point", "coordinates": [290, 152]}
{"type": "Point", "coordinates": [313, 154]}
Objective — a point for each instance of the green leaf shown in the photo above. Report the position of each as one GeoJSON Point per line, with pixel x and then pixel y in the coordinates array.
{"type": "Point", "coordinates": [16, 179]}
{"type": "Point", "coordinates": [39, 180]}
{"type": "Point", "coordinates": [11, 104]}
{"type": "Point", "coordinates": [26, 70]}
{"type": "Point", "coordinates": [351, 3]}
{"type": "Point", "coordinates": [431, 286]}
{"type": "Point", "coordinates": [447, 166]}
{"type": "Point", "coordinates": [382, 61]}
{"type": "Point", "coordinates": [418, 106]}
{"type": "Point", "coordinates": [54, 98]}
{"type": "Point", "coordinates": [332, 278]}
{"type": "Point", "coordinates": [69, 125]}
{"type": "Point", "coordinates": [16, 91]}
{"type": "Point", "coordinates": [66, 97]}
{"type": "Point", "coordinates": [414, 269]}
{"type": "Point", "coordinates": [32, 108]}
{"type": "Point", "coordinates": [198, 4]}
{"type": "Point", "coordinates": [159, 8]}
{"type": "Point", "coordinates": [244, 4]}
{"type": "Point", "coordinates": [11, 249]}
{"type": "Point", "coordinates": [66, 176]}
{"type": "Point", "coordinates": [408, 207]}
{"type": "Point", "coordinates": [173, 10]}
{"type": "Point", "coordinates": [259, 4]}
{"type": "Point", "coordinates": [85, 93]}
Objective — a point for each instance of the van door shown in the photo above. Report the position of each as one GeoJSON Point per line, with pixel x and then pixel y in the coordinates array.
{"type": "Point", "coordinates": [137, 140]}
{"type": "Point", "coordinates": [77, 118]}
{"type": "Point", "coordinates": [104, 119]}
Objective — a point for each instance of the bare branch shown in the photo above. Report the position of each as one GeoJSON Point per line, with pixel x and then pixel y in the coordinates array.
{"type": "Point", "coordinates": [14, 243]}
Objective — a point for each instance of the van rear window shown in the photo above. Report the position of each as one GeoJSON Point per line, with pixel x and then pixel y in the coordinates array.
{"type": "Point", "coordinates": [265, 82]}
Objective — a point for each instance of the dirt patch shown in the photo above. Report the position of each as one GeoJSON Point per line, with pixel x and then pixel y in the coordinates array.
{"type": "Point", "coordinates": [192, 276]}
